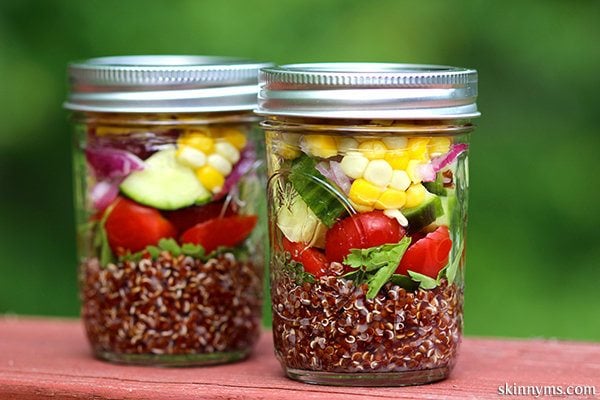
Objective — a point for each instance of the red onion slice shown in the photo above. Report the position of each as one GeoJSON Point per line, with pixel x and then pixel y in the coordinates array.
{"type": "Point", "coordinates": [246, 164]}
{"type": "Point", "coordinates": [112, 163]}
{"type": "Point", "coordinates": [104, 193]}
{"type": "Point", "coordinates": [332, 171]}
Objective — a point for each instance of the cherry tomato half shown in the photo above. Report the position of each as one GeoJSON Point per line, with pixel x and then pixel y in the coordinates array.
{"type": "Point", "coordinates": [216, 232]}
{"type": "Point", "coordinates": [361, 231]}
{"type": "Point", "coordinates": [428, 255]}
{"type": "Point", "coordinates": [184, 218]}
{"type": "Point", "coordinates": [131, 227]}
{"type": "Point", "coordinates": [313, 261]}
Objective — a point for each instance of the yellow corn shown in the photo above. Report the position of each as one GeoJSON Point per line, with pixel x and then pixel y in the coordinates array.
{"type": "Point", "coordinates": [364, 193]}
{"type": "Point", "coordinates": [361, 208]}
{"type": "Point", "coordinates": [378, 172]}
{"type": "Point", "coordinates": [417, 148]}
{"type": "Point", "coordinates": [210, 178]}
{"type": "Point", "coordinates": [415, 195]}
{"type": "Point", "coordinates": [398, 158]}
{"type": "Point", "coordinates": [373, 149]}
{"type": "Point", "coordinates": [395, 142]}
{"type": "Point", "coordinates": [235, 137]}
{"type": "Point", "coordinates": [346, 144]}
{"type": "Point", "coordinates": [104, 130]}
{"type": "Point", "coordinates": [412, 169]}
{"type": "Point", "coordinates": [199, 141]}
{"type": "Point", "coordinates": [321, 145]}
{"type": "Point", "coordinates": [190, 156]}
{"type": "Point", "coordinates": [400, 180]}
{"type": "Point", "coordinates": [439, 145]}
{"type": "Point", "coordinates": [391, 198]}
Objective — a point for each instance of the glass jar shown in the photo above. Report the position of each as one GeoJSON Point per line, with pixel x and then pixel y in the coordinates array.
{"type": "Point", "coordinates": [168, 198]}
{"type": "Point", "coordinates": [367, 191]}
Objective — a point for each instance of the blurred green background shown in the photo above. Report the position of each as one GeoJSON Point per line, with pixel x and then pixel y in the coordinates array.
{"type": "Point", "coordinates": [533, 253]}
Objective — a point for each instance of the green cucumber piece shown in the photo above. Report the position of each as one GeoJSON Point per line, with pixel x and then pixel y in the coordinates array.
{"type": "Point", "coordinates": [425, 213]}
{"type": "Point", "coordinates": [311, 185]}
{"type": "Point", "coordinates": [437, 186]}
{"type": "Point", "coordinates": [165, 184]}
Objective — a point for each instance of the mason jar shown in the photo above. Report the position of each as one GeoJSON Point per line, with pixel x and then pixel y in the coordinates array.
{"type": "Point", "coordinates": [168, 197]}
{"type": "Point", "coordinates": [367, 192]}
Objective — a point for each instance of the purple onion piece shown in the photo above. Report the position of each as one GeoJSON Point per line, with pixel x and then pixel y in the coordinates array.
{"type": "Point", "coordinates": [110, 163]}
{"type": "Point", "coordinates": [427, 172]}
{"type": "Point", "coordinates": [246, 164]}
{"type": "Point", "coordinates": [439, 163]}
{"type": "Point", "coordinates": [103, 193]}
{"type": "Point", "coordinates": [332, 171]}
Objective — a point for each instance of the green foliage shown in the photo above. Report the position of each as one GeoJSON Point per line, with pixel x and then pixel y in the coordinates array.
{"type": "Point", "coordinates": [532, 250]}
{"type": "Point", "coordinates": [376, 265]}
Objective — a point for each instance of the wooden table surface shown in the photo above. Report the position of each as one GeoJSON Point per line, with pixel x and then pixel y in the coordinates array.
{"type": "Point", "coordinates": [50, 358]}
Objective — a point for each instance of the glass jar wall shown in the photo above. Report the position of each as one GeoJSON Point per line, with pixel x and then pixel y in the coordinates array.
{"type": "Point", "coordinates": [169, 240]}
{"type": "Point", "coordinates": [367, 221]}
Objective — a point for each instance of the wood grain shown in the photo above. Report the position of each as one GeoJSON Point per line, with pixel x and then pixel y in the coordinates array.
{"type": "Point", "coordinates": [50, 358]}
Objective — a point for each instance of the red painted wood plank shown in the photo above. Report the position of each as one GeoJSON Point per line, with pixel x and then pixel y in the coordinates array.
{"type": "Point", "coordinates": [42, 358]}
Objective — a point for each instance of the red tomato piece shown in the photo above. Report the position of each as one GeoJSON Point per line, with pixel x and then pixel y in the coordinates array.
{"type": "Point", "coordinates": [313, 261]}
{"type": "Point", "coordinates": [216, 232]}
{"type": "Point", "coordinates": [184, 218]}
{"type": "Point", "coordinates": [361, 231]}
{"type": "Point", "coordinates": [131, 227]}
{"type": "Point", "coordinates": [428, 255]}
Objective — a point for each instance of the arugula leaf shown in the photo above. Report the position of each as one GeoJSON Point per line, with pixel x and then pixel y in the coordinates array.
{"type": "Point", "coordinates": [453, 267]}
{"type": "Point", "coordinates": [404, 282]}
{"type": "Point", "coordinates": [153, 251]}
{"type": "Point", "coordinates": [194, 250]}
{"type": "Point", "coordinates": [101, 239]}
{"type": "Point", "coordinates": [170, 245]}
{"type": "Point", "coordinates": [376, 264]}
{"type": "Point", "coordinates": [425, 282]}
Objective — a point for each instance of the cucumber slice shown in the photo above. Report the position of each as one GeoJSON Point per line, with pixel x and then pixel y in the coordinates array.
{"type": "Point", "coordinates": [308, 182]}
{"type": "Point", "coordinates": [437, 186]}
{"type": "Point", "coordinates": [425, 213]}
{"type": "Point", "coordinates": [165, 184]}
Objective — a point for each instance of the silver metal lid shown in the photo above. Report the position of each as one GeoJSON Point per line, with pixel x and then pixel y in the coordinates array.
{"type": "Point", "coordinates": [368, 91]}
{"type": "Point", "coordinates": [164, 83]}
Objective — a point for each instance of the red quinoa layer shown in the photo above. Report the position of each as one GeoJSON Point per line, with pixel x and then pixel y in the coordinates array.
{"type": "Point", "coordinates": [172, 305]}
{"type": "Point", "coordinates": [331, 326]}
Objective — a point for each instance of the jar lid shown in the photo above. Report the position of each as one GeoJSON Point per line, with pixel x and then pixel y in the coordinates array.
{"type": "Point", "coordinates": [165, 83]}
{"type": "Point", "coordinates": [368, 91]}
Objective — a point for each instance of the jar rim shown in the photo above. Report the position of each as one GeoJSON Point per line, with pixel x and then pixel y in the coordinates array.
{"type": "Point", "coordinates": [368, 90]}
{"type": "Point", "coordinates": [163, 83]}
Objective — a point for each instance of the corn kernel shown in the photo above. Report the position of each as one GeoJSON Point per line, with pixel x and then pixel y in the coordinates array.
{"type": "Point", "coordinates": [235, 137]}
{"type": "Point", "coordinates": [417, 148]}
{"type": "Point", "coordinates": [415, 195]}
{"type": "Point", "coordinates": [439, 145]}
{"type": "Point", "coordinates": [212, 179]}
{"type": "Point", "coordinates": [228, 151]}
{"type": "Point", "coordinates": [288, 152]}
{"type": "Point", "coordinates": [190, 156]}
{"type": "Point", "coordinates": [390, 199]}
{"type": "Point", "coordinates": [346, 144]}
{"type": "Point", "coordinates": [400, 180]}
{"type": "Point", "coordinates": [395, 142]}
{"type": "Point", "coordinates": [364, 193]}
{"type": "Point", "coordinates": [199, 141]}
{"type": "Point", "coordinates": [373, 149]}
{"type": "Point", "coordinates": [397, 158]}
{"type": "Point", "coordinates": [354, 164]}
{"type": "Point", "coordinates": [320, 145]}
{"type": "Point", "coordinates": [378, 172]}
{"type": "Point", "coordinates": [412, 169]}
{"type": "Point", "coordinates": [219, 163]}
{"type": "Point", "coordinates": [361, 208]}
